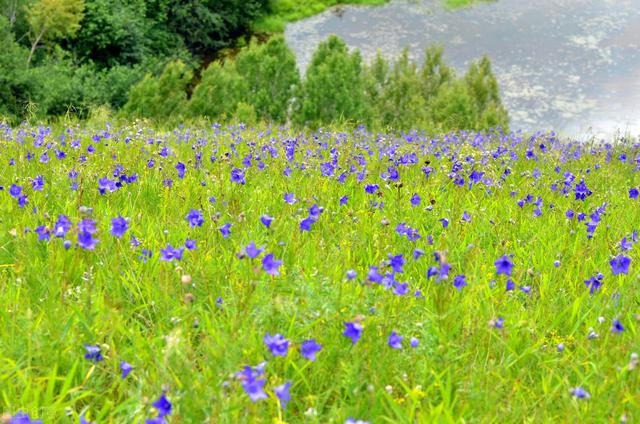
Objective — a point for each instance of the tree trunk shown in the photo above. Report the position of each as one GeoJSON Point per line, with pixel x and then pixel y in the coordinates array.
{"type": "Point", "coordinates": [34, 46]}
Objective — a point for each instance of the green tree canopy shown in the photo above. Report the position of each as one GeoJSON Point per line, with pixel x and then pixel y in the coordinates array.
{"type": "Point", "coordinates": [51, 20]}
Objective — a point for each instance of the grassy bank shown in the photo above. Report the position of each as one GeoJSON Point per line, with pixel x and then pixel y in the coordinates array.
{"type": "Point", "coordinates": [283, 11]}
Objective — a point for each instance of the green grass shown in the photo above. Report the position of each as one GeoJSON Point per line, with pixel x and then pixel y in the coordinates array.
{"type": "Point", "coordinates": [285, 11]}
{"type": "Point", "coordinates": [457, 4]}
{"type": "Point", "coordinates": [55, 300]}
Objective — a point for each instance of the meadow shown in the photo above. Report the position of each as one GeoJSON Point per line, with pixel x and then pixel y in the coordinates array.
{"type": "Point", "coordinates": [228, 274]}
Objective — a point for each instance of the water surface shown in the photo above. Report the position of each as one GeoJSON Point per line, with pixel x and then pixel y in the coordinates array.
{"type": "Point", "coordinates": [567, 65]}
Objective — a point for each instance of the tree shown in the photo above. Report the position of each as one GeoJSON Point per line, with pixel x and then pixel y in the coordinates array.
{"type": "Point", "coordinates": [52, 20]}
{"type": "Point", "coordinates": [483, 89]}
{"type": "Point", "coordinates": [15, 85]}
{"type": "Point", "coordinates": [434, 73]}
{"type": "Point", "coordinates": [334, 86]}
{"type": "Point", "coordinates": [112, 33]}
{"type": "Point", "coordinates": [219, 92]}
{"type": "Point", "coordinates": [402, 103]}
{"type": "Point", "coordinates": [269, 76]}
{"type": "Point", "coordinates": [209, 25]}
{"type": "Point", "coordinates": [160, 97]}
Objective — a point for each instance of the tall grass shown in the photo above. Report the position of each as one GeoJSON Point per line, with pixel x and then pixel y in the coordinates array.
{"type": "Point", "coordinates": [188, 336]}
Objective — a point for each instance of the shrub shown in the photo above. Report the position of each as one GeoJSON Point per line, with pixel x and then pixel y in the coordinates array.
{"type": "Point", "coordinates": [160, 97]}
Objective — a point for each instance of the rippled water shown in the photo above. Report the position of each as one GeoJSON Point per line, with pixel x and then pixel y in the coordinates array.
{"type": "Point", "coordinates": [568, 65]}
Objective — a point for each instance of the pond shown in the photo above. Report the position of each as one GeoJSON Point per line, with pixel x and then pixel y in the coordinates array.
{"type": "Point", "coordinates": [567, 65]}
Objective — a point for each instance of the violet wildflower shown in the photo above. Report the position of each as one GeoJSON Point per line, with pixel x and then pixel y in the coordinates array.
{"type": "Point", "coordinates": [195, 218]}
{"type": "Point", "coordinates": [270, 265]}
{"type": "Point", "coordinates": [119, 226]}
{"type": "Point", "coordinates": [353, 330]}
{"type": "Point", "coordinates": [617, 326]}
{"type": "Point", "coordinates": [283, 394]}
{"type": "Point", "coordinates": [309, 348]}
{"type": "Point", "coordinates": [225, 230]}
{"type": "Point", "coordinates": [93, 353]}
{"type": "Point", "coordinates": [266, 220]}
{"type": "Point", "coordinates": [277, 344]}
{"type": "Point", "coordinates": [126, 368]}
{"type": "Point", "coordinates": [620, 265]}
{"type": "Point", "coordinates": [395, 340]}
{"type": "Point", "coordinates": [504, 265]}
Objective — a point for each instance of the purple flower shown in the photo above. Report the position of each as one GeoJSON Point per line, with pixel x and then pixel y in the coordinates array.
{"type": "Point", "coordinates": [414, 342]}
{"type": "Point", "coordinates": [504, 265]}
{"type": "Point", "coordinates": [594, 282]}
{"type": "Point", "coordinates": [283, 394]}
{"type": "Point", "coordinates": [510, 285]}
{"type": "Point", "coordinates": [397, 262]}
{"type": "Point", "coordinates": [445, 222]}
{"type": "Point", "coordinates": [62, 226]}
{"type": "Point", "coordinates": [252, 251]}
{"type": "Point", "coordinates": [305, 224]}
{"type": "Point", "coordinates": [87, 226]}
{"type": "Point", "coordinates": [633, 193]}
{"type": "Point", "coordinates": [620, 265]}
{"type": "Point", "coordinates": [119, 226]}
{"type": "Point", "coordinates": [395, 340]}
{"type": "Point", "coordinates": [278, 345]}
{"type": "Point", "coordinates": [626, 245]}
{"type": "Point", "coordinates": [353, 330]}
{"type": "Point", "coordinates": [344, 200]}
{"type": "Point", "coordinates": [15, 190]}
{"type": "Point", "coordinates": [459, 282]}
{"type": "Point", "coordinates": [22, 418]}
{"type": "Point", "coordinates": [180, 167]}
{"type": "Point", "coordinates": [354, 421]}
{"type": "Point", "coordinates": [83, 420]}
{"type": "Point", "coordinates": [309, 348]}
{"type": "Point", "coordinates": [194, 218]}
{"type": "Point", "coordinates": [271, 265]}
{"type": "Point", "coordinates": [170, 253]}
{"type": "Point", "coordinates": [266, 220]}
{"type": "Point", "coordinates": [415, 200]}
{"type": "Point", "coordinates": [190, 244]}
{"type": "Point", "coordinates": [224, 230]}
{"type": "Point", "coordinates": [237, 176]}
{"type": "Point", "coordinates": [255, 388]}
{"type": "Point", "coordinates": [371, 188]}
{"type": "Point", "coordinates": [498, 323]}
{"type": "Point", "coordinates": [126, 368]}
{"type": "Point", "coordinates": [465, 217]}
{"type": "Point", "coordinates": [617, 326]}
{"type": "Point", "coordinates": [400, 289]}
{"type": "Point", "coordinates": [580, 393]}
{"type": "Point", "coordinates": [290, 198]}
{"type": "Point", "coordinates": [581, 191]}
{"type": "Point", "coordinates": [37, 183]}
{"type": "Point", "coordinates": [351, 274]}
{"type": "Point", "coordinates": [93, 353]}
{"type": "Point", "coordinates": [86, 240]}
{"type": "Point", "coordinates": [43, 233]}
{"type": "Point", "coordinates": [162, 405]}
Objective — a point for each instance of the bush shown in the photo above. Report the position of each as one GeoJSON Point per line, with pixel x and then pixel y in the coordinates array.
{"type": "Point", "coordinates": [334, 88]}
{"type": "Point", "coordinates": [15, 85]}
{"type": "Point", "coordinates": [160, 97]}
{"type": "Point", "coordinates": [269, 75]}
{"type": "Point", "coordinates": [218, 93]}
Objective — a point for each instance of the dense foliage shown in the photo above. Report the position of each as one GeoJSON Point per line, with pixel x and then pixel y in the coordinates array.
{"type": "Point", "coordinates": [97, 49]}
{"type": "Point", "coordinates": [141, 58]}
{"type": "Point", "coordinates": [230, 274]}
{"type": "Point", "coordinates": [337, 87]}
